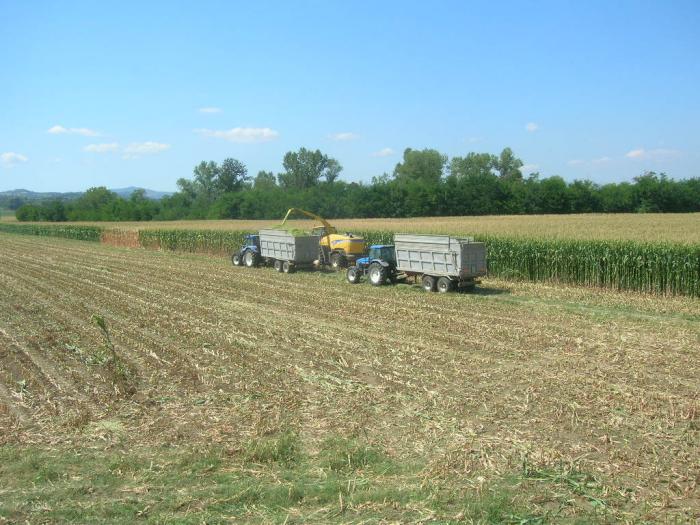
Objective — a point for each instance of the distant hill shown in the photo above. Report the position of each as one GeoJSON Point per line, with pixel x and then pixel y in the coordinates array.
{"type": "Point", "coordinates": [39, 195]}
{"type": "Point", "coordinates": [150, 194]}
{"type": "Point", "coordinates": [10, 197]}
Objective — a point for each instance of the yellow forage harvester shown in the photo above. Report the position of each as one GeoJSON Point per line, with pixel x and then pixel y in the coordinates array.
{"type": "Point", "coordinates": [336, 249]}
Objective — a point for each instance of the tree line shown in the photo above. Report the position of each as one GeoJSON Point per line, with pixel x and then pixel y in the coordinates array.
{"type": "Point", "coordinates": [424, 183]}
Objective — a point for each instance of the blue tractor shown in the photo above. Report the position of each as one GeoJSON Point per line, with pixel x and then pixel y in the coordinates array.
{"type": "Point", "coordinates": [249, 254]}
{"type": "Point", "coordinates": [379, 266]}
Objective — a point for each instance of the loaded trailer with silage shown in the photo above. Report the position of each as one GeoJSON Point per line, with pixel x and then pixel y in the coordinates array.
{"type": "Point", "coordinates": [441, 262]}
{"type": "Point", "coordinates": [286, 251]}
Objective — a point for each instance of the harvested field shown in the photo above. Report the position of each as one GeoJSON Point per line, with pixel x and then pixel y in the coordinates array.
{"type": "Point", "coordinates": [266, 397]}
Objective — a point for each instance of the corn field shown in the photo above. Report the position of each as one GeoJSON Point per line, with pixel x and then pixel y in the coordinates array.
{"type": "Point", "coordinates": [659, 268]}
{"type": "Point", "coordinates": [80, 233]}
{"type": "Point", "coordinates": [217, 242]}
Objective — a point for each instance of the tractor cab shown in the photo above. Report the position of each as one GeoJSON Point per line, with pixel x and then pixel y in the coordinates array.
{"type": "Point", "coordinates": [378, 252]}
{"type": "Point", "coordinates": [252, 240]}
{"type": "Point", "coordinates": [383, 252]}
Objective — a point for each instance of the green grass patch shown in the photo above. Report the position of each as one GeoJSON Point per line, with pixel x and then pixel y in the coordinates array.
{"type": "Point", "coordinates": [271, 480]}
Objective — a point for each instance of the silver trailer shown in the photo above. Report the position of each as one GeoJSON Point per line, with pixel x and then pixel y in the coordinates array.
{"type": "Point", "coordinates": [286, 251]}
{"type": "Point", "coordinates": [440, 261]}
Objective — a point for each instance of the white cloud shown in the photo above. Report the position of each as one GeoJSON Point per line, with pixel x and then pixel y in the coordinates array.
{"type": "Point", "coordinates": [101, 148]}
{"type": "Point", "coordinates": [210, 110]}
{"type": "Point", "coordinates": [241, 135]}
{"type": "Point", "coordinates": [136, 149]}
{"type": "Point", "coordinates": [60, 130]}
{"type": "Point", "coordinates": [531, 127]}
{"type": "Point", "coordinates": [344, 136]}
{"type": "Point", "coordinates": [575, 162]}
{"type": "Point", "coordinates": [528, 168]}
{"type": "Point", "coordinates": [472, 140]}
{"type": "Point", "coordinates": [11, 159]}
{"type": "Point", "coordinates": [635, 154]}
{"type": "Point", "coordinates": [384, 152]}
{"type": "Point", "coordinates": [652, 154]}
{"type": "Point", "coordinates": [601, 160]}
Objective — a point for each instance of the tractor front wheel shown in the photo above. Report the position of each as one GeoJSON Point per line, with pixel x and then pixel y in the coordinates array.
{"type": "Point", "coordinates": [353, 275]}
{"type": "Point", "coordinates": [377, 274]}
{"type": "Point", "coordinates": [236, 259]}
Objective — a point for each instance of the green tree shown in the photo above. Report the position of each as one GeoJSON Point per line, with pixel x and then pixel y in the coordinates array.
{"type": "Point", "coordinates": [508, 165]}
{"type": "Point", "coordinates": [231, 176]}
{"type": "Point", "coordinates": [305, 168]}
{"type": "Point", "coordinates": [553, 196]}
{"type": "Point", "coordinates": [265, 180]}
{"type": "Point", "coordinates": [584, 196]}
{"type": "Point", "coordinates": [427, 165]}
{"type": "Point", "coordinates": [474, 165]}
{"type": "Point", "coordinates": [205, 180]}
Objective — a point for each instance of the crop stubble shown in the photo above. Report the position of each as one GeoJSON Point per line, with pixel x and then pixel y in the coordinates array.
{"type": "Point", "coordinates": [472, 384]}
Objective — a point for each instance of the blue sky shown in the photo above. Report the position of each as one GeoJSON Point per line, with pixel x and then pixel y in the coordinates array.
{"type": "Point", "coordinates": [137, 93]}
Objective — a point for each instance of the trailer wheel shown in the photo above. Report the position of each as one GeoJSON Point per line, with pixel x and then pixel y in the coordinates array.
{"type": "Point", "coordinates": [250, 259]}
{"type": "Point", "coordinates": [287, 267]}
{"type": "Point", "coordinates": [338, 261]}
{"type": "Point", "coordinates": [445, 284]}
{"type": "Point", "coordinates": [353, 275]}
{"type": "Point", "coordinates": [278, 265]}
{"type": "Point", "coordinates": [377, 274]}
{"type": "Point", "coordinates": [428, 283]}
{"type": "Point", "coordinates": [236, 259]}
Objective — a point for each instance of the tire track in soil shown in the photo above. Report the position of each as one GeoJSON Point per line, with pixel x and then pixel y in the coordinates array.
{"type": "Point", "coordinates": [213, 326]}
{"type": "Point", "coordinates": [264, 365]}
{"type": "Point", "coordinates": [120, 336]}
{"type": "Point", "coordinates": [218, 311]}
{"type": "Point", "coordinates": [304, 382]}
{"type": "Point", "coordinates": [14, 408]}
{"type": "Point", "coordinates": [57, 322]}
{"type": "Point", "coordinates": [178, 361]}
{"type": "Point", "coordinates": [47, 368]}
{"type": "Point", "coordinates": [17, 367]}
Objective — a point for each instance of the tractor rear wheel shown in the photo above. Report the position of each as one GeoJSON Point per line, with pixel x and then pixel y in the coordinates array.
{"type": "Point", "coordinates": [377, 274]}
{"type": "Point", "coordinates": [278, 265]}
{"type": "Point", "coordinates": [287, 267]}
{"type": "Point", "coordinates": [445, 285]}
{"type": "Point", "coordinates": [250, 259]}
{"type": "Point", "coordinates": [428, 283]}
{"type": "Point", "coordinates": [236, 259]}
{"type": "Point", "coordinates": [338, 261]}
{"type": "Point", "coordinates": [353, 275]}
